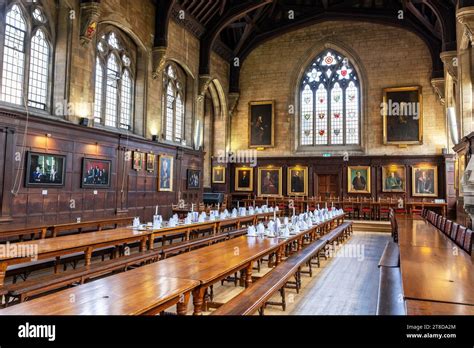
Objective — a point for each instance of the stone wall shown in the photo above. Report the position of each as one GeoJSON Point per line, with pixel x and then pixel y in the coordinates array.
{"type": "Point", "coordinates": [386, 57]}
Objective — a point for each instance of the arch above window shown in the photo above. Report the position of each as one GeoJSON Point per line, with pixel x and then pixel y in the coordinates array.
{"type": "Point", "coordinates": [330, 102]}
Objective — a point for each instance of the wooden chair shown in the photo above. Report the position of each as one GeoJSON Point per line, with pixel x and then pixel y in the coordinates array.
{"type": "Point", "coordinates": [454, 231]}
{"type": "Point", "coordinates": [439, 222]}
{"type": "Point", "coordinates": [461, 235]}
{"type": "Point", "coordinates": [467, 245]}
{"type": "Point", "coordinates": [443, 223]}
{"type": "Point", "coordinates": [447, 227]}
{"type": "Point", "coordinates": [365, 210]}
{"type": "Point", "coordinates": [348, 207]}
{"type": "Point", "coordinates": [384, 210]}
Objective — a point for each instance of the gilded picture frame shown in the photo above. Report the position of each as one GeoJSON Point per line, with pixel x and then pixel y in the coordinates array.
{"type": "Point", "coordinates": [402, 115]}
{"type": "Point", "coordinates": [394, 178]}
{"type": "Point", "coordinates": [218, 175]}
{"type": "Point", "coordinates": [424, 180]}
{"type": "Point", "coordinates": [358, 183]}
{"type": "Point", "coordinates": [261, 132]}
{"type": "Point", "coordinates": [243, 179]}
{"type": "Point", "coordinates": [270, 182]}
{"type": "Point", "coordinates": [297, 181]}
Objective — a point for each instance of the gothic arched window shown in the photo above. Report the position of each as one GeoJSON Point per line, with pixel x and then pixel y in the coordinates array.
{"type": "Point", "coordinates": [25, 71]}
{"type": "Point", "coordinates": [114, 82]}
{"type": "Point", "coordinates": [330, 102]}
{"type": "Point", "coordinates": [174, 103]}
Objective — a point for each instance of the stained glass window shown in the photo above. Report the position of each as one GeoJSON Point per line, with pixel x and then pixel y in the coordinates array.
{"type": "Point", "coordinates": [173, 99]}
{"type": "Point", "coordinates": [26, 57]}
{"type": "Point", "coordinates": [114, 82]}
{"type": "Point", "coordinates": [330, 102]}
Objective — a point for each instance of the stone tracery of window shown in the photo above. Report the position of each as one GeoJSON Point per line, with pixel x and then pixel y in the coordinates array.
{"type": "Point", "coordinates": [330, 102]}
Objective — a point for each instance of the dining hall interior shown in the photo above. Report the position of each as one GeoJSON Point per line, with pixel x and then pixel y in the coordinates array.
{"type": "Point", "coordinates": [236, 158]}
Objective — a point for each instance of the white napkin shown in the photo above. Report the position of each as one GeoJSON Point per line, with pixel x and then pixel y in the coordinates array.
{"type": "Point", "coordinates": [271, 226]}
{"type": "Point", "coordinates": [172, 223]}
{"type": "Point", "coordinates": [285, 220]}
{"type": "Point", "coordinates": [260, 228]}
{"type": "Point", "coordinates": [251, 231]}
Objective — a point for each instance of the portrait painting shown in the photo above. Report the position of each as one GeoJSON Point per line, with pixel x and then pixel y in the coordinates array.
{"type": "Point", "coordinates": [261, 123]}
{"type": "Point", "coordinates": [297, 181]}
{"type": "Point", "coordinates": [194, 178]}
{"type": "Point", "coordinates": [96, 173]}
{"type": "Point", "coordinates": [425, 181]}
{"type": "Point", "coordinates": [150, 162]}
{"type": "Point", "coordinates": [358, 179]}
{"type": "Point", "coordinates": [165, 170]}
{"type": "Point", "coordinates": [45, 170]}
{"type": "Point", "coordinates": [138, 160]}
{"type": "Point", "coordinates": [270, 182]}
{"type": "Point", "coordinates": [243, 179]}
{"type": "Point", "coordinates": [218, 175]}
{"type": "Point", "coordinates": [393, 178]}
{"type": "Point", "coordinates": [402, 115]}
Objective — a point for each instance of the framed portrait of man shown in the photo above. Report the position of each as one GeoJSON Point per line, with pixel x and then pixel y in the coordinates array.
{"type": "Point", "coordinates": [261, 124]}
{"type": "Point", "coordinates": [218, 175]}
{"type": "Point", "coordinates": [150, 162]}
{"type": "Point", "coordinates": [425, 180]}
{"type": "Point", "coordinates": [96, 173]}
{"type": "Point", "coordinates": [243, 179]}
{"type": "Point", "coordinates": [165, 170]}
{"type": "Point", "coordinates": [45, 170]}
{"type": "Point", "coordinates": [194, 179]}
{"type": "Point", "coordinates": [393, 178]}
{"type": "Point", "coordinates": [297, 181]}
{"type": "Point", "coordinates": [402, 115]}
{"type": "Point", "coordinates": [270, 182]}
{"type": "Point", "coordinates": [358, 179]}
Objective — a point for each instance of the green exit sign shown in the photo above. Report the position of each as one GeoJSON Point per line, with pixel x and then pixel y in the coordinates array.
{"type": "Point", "coordinates": [327, 155]}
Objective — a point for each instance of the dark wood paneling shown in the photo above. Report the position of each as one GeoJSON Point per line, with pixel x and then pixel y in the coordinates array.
{"type": "Point", "coordinates": [66, 204]}
{"type": "Point", "coordinates": [337, 165]}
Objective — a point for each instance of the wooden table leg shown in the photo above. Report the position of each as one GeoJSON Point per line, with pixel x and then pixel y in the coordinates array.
{"type": "Point", "coordinates": [3, 271]}
{"type": "Point", "coordinates": [248, 274]}
{"type": "Point", "coordinates": [182, 305]}
{"type": "Point", "coordinates": [88, 256]}
{"type": "Point", "coordinates": [143, 244]}
{"type": "Point", "coordinates": [151, 241]}
{"type": "Point", "coordinates": [198, 299]}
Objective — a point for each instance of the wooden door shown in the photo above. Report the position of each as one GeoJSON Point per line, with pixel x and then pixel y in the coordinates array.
{"type": "Point", "coordinates": [327, 185]}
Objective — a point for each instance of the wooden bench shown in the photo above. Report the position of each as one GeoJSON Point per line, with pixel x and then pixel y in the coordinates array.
{"type": "Point", "coordinates": [178, 248]}
{"type": "Point", "coordinates": [390, 297]}
{"type": "Point", "coordinates": [23, 291]}
{"type": "Point", "coordinates": [18, 234]}
{"type": "Point", "coordinates": [390, 256]}
{"type": "Point", "coordinates": [256, 297]}
{"type": "Point", "coordinates": [93, 226]}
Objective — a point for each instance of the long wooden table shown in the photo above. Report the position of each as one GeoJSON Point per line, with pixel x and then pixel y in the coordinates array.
{"type": "Point", "coordinates": [433, 268]}
{"type": "Point", "coordinates": [204, 267]}
{"type": "Point", "coordinates": [87, 243]}
{"type": "Point", "coordinates": [131, 293]}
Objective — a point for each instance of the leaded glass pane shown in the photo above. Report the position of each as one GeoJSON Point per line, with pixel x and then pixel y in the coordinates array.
{"type": "Point", "coordinates": [179, 119]}
{"type": "Point", "coordinates": [307, 121]}
{"type": "Point", "coordinates": [13, 57]}
{"type": "Point", "coordinates": [337, 117]}
{"type": "Point", "coordinates": [170, 92]}
{"type": "Point", "coordinates": [321, 116]}
{"type": "Point", "coordinates": [111, 92]}
{"type": "Point", "coordinates": [352, 114]}
{"type": "Point", "coordinates": [99, 79]}
{"type": "Point", "coordinates": [126, 107]}
{"type": "Point", "coordinates": [39, 71]}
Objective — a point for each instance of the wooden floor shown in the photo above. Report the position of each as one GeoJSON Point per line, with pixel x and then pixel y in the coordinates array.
{"type": "Point", "coordinates": [344, 285]}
